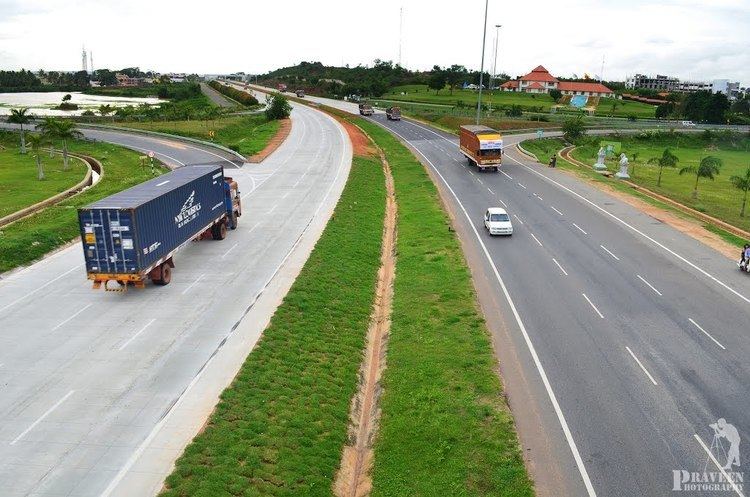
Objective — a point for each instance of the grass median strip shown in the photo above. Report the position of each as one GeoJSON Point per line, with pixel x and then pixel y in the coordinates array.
{"type": "Point", "coordinates": [30, 238]}
{"type": "Point", "coordinates": [445, 427]}
{"type": "Point", "coordinates": [280, 427]}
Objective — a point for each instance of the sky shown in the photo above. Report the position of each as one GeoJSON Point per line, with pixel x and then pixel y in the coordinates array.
{"type": "Point", "coordinates": [691, 39]}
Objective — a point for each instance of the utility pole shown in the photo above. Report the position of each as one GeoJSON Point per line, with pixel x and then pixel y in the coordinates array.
{"type": "Point", "coordinates": [83, 59]}
{"type": "Point", "coordinates": [601, 73]}
{"type": "Point", "coordinates": [481, 69]}
{"type": "Point", "coordinates": [400, 33]}
{"type": "Point", "coordinates": [91, 61]}
{"type": "Point", "coordinates": [494, 64]}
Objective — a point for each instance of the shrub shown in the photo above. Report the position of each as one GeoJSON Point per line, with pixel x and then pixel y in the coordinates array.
{"type": "Point", "coordinates": [279, 108]}
{"type": "Point", "coordinates": [573, 129]}
{"type": "Point", "coordinates": [514, 111]}
{"type": "Point", "coordinates": [632, 117]}
{"type": "Point", "coordinates": [238, 95]}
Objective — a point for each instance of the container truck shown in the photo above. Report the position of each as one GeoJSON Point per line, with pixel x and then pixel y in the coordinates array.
{"type": "Point", "coordinates": [133, 235]}
{"type": "Point", "coordinates": [482, 146]}
{"type": "Point", "coordinates": [365, 109]}
{"type": "Point", "coordinates": [393, 113]}
{"type": "Point", "coordinates": [281, 87]}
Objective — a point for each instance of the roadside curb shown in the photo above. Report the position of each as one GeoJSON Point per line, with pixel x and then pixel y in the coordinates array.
{"type": "Point", "coordinates": [278, 139]}
{"type": "Point", "coordinates": [165, 135]}
{"type": "Point", "coordinates": [87, 181]}
{"type": "Point", "coordinates": [526, 152]}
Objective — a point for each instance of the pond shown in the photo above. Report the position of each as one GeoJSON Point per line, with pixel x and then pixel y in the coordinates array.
{"type": "Point", "coordinates": [43, 103]}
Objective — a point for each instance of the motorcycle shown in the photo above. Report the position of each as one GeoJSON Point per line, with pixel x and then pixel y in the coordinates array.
{"type": "Point", "coordinates": [744, 266]}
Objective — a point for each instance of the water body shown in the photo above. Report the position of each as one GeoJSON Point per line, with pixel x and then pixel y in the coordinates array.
{"type": "Point", "coordinates": [42, 103]}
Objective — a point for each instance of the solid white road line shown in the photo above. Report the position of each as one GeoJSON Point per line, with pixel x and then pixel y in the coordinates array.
{"type": "Point", "coordinates": [506, 174]}
{"type": "Point", "coordinates": [137, 334]}
{"type": "Point", "coordinates": [230, 249]}
{"type": "Point", "coordinates": [518, 219]}
{"type": "Point", "coordinates": [641, 365]}
{"type": "Point", "coordinates": [580, 229]}
{"type": "Point", "coordinates": [529, 344]}
{"type": "Point", "coordinates": [536, 239]}
{"type": "Point", "coordinates": [193, 283]}
{"type": "Point", "coordinates": [39, 288]}
{"type": "Point", "coordinates": [592, 305]}
{"type": "Point", "coordinates": [639, 232]}
{"type": "Point", "coordinates": [649, 285]}
{"type": "Point", "coordinates": [558, 265]}
{"type": "Point", "coordinates": [253, 228]}
{"type": "Point", "coordinates": [609, 252]}
{"type": "Point", "coordinates": [71, 317]}
{"type": "Point", "coordinates": [521, 185]}
{"type": "Point", "coordinates": [727, 478]}
{"type": "Point", "coordinates": [707, 334]}
{"type": "Point", "coordinates": [555, 209]}
{"type": "Point", "coordinates": [41, 418]}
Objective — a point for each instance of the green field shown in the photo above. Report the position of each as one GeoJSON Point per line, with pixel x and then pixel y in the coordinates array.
{"type": "Point", "coordinates": [30, 238]}
{"type": "Point", "coordinates": [19, 186]}
{"type": "Point", "coordinates": [280, 427]}
{"type": "Point", "coordinates": [445, 427]}
{"type": "Point", "coordinates": [247, 135]}
{"type": "Point", "coordinates": [529, 102]}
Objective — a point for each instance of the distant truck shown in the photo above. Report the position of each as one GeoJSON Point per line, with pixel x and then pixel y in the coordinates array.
{"type": "Point", "coordinates": [393, 113]}
{"type": "Point", "coordinates": [300, 93]}
{"type": "Point", "coordinates": [134, 234]}
{"type": "Point", "coordinates": [281, 87]}
{"type": "Point", "coordinates": [482, 146]}
{"type": "Point", "coordinates": [365, 109]}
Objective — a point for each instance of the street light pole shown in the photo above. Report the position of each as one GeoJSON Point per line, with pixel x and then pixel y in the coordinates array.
{"type": "Point", "coordinates": [481, 69]}
{"type": "Point", "coordinates": [493, 76]}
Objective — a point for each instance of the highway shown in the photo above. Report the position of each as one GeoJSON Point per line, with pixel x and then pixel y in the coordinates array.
{"type": "Point", "coordinates": [620, 339]}
{"type": "Point", "coordinates": [100, 391]}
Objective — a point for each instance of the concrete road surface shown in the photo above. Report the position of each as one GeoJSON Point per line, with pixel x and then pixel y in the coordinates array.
{"type": "Point", "coordinates": [621, 339]}
{"type": "Point", "coordinates": [99, 392]}
{"type": "Point", "coordinates": [216, 97]}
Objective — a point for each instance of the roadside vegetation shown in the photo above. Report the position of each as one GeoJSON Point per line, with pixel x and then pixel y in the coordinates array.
{"type": "Point", "coordinates": [30, 238]}
{"type": "Point", "coordinates": [19, 187]}
{"type": "Point", "coordinates": [247, 135]}
{"type": "Point", "coordinates": [239, 96]}
{"type": "Point", "coordinates": [280, 427]}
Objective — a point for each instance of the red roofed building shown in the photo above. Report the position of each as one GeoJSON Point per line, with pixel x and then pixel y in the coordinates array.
{"type": "Point", "coordinates": [539, 80]}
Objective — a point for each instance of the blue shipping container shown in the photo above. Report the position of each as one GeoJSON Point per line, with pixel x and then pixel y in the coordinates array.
{"type": "Point", "coordinates": [130, 231]}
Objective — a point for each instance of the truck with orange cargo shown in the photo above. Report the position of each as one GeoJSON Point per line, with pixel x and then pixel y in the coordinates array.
{"type": "Point", "coordinates": [482, 146]}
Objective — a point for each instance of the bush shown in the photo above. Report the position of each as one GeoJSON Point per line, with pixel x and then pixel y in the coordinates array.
{"type": "Point", "coordinates": [632, 117]}
{"type": "Point", "coordinates": [279, 108]}
{"type": "Point", "coordinates": [514, 111]}
{"type": "Point", "coordinates": [238, 95]}
{"type": "Point", "coordinates": [573, 129]}
{"type": "Point", "coordinates": [555, 94]}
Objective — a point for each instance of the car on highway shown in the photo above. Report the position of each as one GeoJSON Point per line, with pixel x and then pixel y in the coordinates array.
{"type": "Point", "coordinates": [497, 221]}
{"type": "Point", "coordinates": [688, 124]}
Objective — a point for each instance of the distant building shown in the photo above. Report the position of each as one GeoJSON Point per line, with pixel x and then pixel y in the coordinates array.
{"type": "Point", "coordinates": [125, 80]}
{"type": "Point", "coordinates": [657, 83]}
{"type": "Point", "coordinates": [539, 80]}
{"type": "Point", "coordinates": [673, 84]}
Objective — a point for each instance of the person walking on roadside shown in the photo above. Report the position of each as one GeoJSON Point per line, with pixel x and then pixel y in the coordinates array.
{"type": "Point", "coordinates": [553, 161]}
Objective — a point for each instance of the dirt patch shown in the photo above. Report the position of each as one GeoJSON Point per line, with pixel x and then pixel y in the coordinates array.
{"type": "Point", "coordinates": [274, 143]}
{"type": "Point", "coordinates": [690, 227]}
{"type": "Point", "coordinates": [354, 476]}
{"type": "Point", "coordinates": [361, 144]}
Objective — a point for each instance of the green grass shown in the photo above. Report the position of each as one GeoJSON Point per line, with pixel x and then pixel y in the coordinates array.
{"type": "Point", "coordinates": [30, 238]}
{"type": "Point", "coordinates": [717, 198]}
{"type": "Point", "coordinates": [247, 135]}
{"type": "Point", "coordinates": [279, 429]}
{"type": "Point", "coordinates": [727, 236]}
{"type": "Point", "coordinates": [19, 186]}
{"type": "Point", "coordinates": [445, 428]}
{"type": "Point", "coordinates": [529, 102]}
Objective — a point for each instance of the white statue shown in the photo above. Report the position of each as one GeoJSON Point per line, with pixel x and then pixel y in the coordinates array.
{"type": "Point", "coordinates": [600, 166]}
{"type": "Point", "coordinates": [624, 163]}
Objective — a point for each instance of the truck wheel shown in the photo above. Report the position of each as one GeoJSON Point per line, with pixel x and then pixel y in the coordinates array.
{"type": "Point", "coordinates": [469, 162]}
{"type": "Point", "coordinates": [166, 275]}
{"type": "Point", "coordinates": [233, 221]}
{"type": "Point", "coordinates": [219, 231]}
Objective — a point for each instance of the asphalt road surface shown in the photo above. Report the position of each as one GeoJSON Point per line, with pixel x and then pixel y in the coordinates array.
{"type": "Point", "coordinates": [100, 391]}
{"type": "Point", "coordinates": [621, 339]}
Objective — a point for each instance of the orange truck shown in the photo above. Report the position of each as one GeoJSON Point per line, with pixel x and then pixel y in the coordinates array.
{"type": "Point", "coordinates": [482, 146]}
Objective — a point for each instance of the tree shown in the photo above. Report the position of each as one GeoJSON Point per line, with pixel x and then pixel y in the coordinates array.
{"type": "Point", "coordinates": [742, 183]}
{"type": "Point", "coordinates": [20, 117]}
{"type": "Point", "coordinates": [61, 130]}
{"type": "Point", "coordinates": [455, 75]}
{"type": "Point", "coordinates": [278, 108]}
{"type": "Point", "coordinates": [708, 168]}
{"type": "Point", "coordinates": [437, 79]}
{"type": "Point", "coordinates": [664, 110]}
{"type": "Point", "coordinates": [36, 142]}
{"type": "Point", "coordinates": [573, 129]}
{"type": "Point", "coordinates": [106, 109]}
{"type": "Point", "coordinates": [718, 106]}
{"type": "Point", "coordinates": [555, 94]}
{"type": "Point", "coordinates": [667, 159]}
{"type": "Point", "coordinates": [67, 97]}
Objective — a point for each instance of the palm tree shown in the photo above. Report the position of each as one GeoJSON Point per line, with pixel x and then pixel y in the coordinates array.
{"type": "Point", "coordinates": [667, 159]}
{"type": "Point", "coordinates": [20, 117]}
{"type": "Point", "coordinates": [61, 130]}
{"type": "Point", "coordinates": [36, 142]}
{"type": "Point", "coordinates": [742, 183]}
{"type": "Point", "coordinates": [106, 109]}
{"type": "Point", "coordinates": [708, 168]}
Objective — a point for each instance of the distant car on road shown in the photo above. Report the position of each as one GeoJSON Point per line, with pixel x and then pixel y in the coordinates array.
{"type": "Point", "coordinates": [365, 109]}
{"type": "Point", "coordinates": [497, 221]}
{"type": "Point", "coordinates": [688, 124]}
